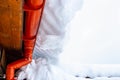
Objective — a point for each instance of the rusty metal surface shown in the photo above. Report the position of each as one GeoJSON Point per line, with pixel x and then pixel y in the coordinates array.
{"type": "Point", "coordinates": [11, 23]}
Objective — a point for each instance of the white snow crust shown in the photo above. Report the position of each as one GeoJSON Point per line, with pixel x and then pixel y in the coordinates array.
{"type": "Point", "coordinates": [52, 60]}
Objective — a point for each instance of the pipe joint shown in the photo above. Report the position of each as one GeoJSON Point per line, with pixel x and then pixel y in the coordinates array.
{"type": "Point", "coordinates": [32, 5]}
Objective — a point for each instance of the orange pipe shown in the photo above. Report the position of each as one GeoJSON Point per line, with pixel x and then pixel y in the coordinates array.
{"type": "Point", "coordinates": [33, 12]}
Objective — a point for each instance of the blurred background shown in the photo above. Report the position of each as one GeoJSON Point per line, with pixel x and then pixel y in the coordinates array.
{"type": "Point", "coordinates": [94, 36]}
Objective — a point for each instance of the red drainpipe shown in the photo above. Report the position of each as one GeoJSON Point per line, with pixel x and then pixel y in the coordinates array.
{"type": "Point", "coordinates": [33, 12]}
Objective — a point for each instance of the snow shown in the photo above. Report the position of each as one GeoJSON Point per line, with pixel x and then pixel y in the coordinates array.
{"type": "Point", "coordinates": [40, 69]}
{"type": "Point", "coordinates": [94, 44]}
{"type": "Point", "coordinates": [101, 78]}
{"type": "Point", "coordinates": [92, 70]}
{"type": "Point", "coordinates": [91, 50]}
{"type": "Point", "coordinates": [94, 34]}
